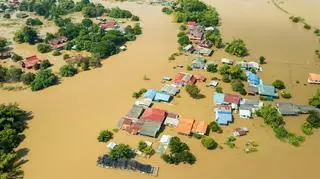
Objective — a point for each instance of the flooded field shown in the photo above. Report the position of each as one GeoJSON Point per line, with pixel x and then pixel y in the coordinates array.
{"type": "Point", "coordinates": [61, 138]}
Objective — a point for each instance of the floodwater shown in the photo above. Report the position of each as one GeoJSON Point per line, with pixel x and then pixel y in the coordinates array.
{"type": "Point", "coordinates": [68, 117]}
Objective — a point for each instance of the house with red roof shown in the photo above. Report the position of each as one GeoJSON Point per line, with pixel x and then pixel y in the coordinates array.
{"type": "Point", "coordinates": [191, 24]}
{"type": "Point", "coordinates": [185, 126]}
{"type": "Point", "coordinates": [314, 78]}
{"type": "Point", "coordinates": [200, 127]}
{"type": "Point", "coordinates": [108, 25]}
{"type": "Point", "coordinates": [205, 44]}
{"type": "Point", "coordinates": [232, 99]}
{"type": "Point", "coordinates": [58, 43]}
{"type": "Point", "coordinates": [184, 78]}
{"type": "Point", "coordinates": [29, 62]}
{"type": "Point", "coordinates": [153, 114]}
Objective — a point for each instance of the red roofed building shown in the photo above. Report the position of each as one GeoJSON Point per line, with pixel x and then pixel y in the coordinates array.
{"type": "Point", "coordinates": [184, 78]}
{"type": "Point", "coordinates": [130, 126]}
{"type": "Point", "coordinates": [108, 25]}
{"type": "Point", "coordinates": [200, 78]}
{"type": "Point", "coordinates": [223, 108]}
{"type": "Point", "coordinates": [58, 42]}
{"type": "Point", "coordinates": [29, 62]}
{"type": "Point", "coordinates": [314, 78]}
{"type": "Point", "coordinates": [205, 43]}
{"type": "Point", "coordinates": [234, 100]}
{"type": "Point", "coordinates": [152, 114]}
{"type": "Point", "coordinates": [13, 2]}
{"type": "Point", "coordinates": [200, 127]}
{"type": "Point", "coordinates": [192, 24]}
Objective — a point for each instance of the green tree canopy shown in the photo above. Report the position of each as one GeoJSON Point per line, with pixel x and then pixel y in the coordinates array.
{"type": "Point", "coordinates": [68, 70]}
{"type": "Point", "coordinates": [119, 13]}
{"type": "Point", "coordinates": [121, 151]}
{"type": "Point", "coordinates": [3, 43]}
{"type": "Point", "coordinates": [193, 90]}
{"type": "Point", "coordinates": [43, 79]}
{"type": "Point", "coordinates": [315, 100]}
{"type": "Point", "coordinates": [27, 78]}
{"type": "Point", "coordinates": [209, 143]}
{"type": "Point", "coordinates": [279, 84]}
{"type": "Point", "coordinates": [237, 47]}
{"type": "Point", "coordinates": [314, 118]}
{"type": "Point", "coordinates": [26, 34]}
{"type": "Point", "coordinates": [105, 136]}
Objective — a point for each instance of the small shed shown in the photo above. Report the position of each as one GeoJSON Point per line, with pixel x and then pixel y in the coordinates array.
{"type": "Point", "coordinates": [226, 61]}
{"type": "Point", "coordinates": [165, 139]}
{"type": "Point", "coordinates": [245, 112]}
{"type": "Point", "coordinates": [111, 145]}
{"type": "Point", "coordinates": [213, 83]}
{"type": "Point", "coordinates": [172, 120]}
{"type": "Point", "coordinates": [144, 102]}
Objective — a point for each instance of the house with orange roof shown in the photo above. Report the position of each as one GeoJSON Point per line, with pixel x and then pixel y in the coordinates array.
{"type": "Point", "coordinates": [200, 127]}
{"type": "Point", "coordinates": [185, 126]}
{"type": "Point", "coordinates": [314, 78]}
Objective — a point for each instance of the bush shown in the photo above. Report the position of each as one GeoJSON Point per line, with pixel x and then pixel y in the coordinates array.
{"type": "Point", "coordinates": [193, 90]}
{"type": "Point", "coordinates": [212, 68]}
{"type": "Point", "coordinates": [237, 47]}
{"type": "Point", "coordinates": [119, 13]}
{"type": "Point", "coordinates": [279, 84]}
{"type": "Point", "coordinates": [230, 142]}
{"type": "Point", "coordinates": [32, 22]}
{"type": "Point", "coordinates": [43, 79]}
{"type": "Point", "coordinates": [262, 60]}
{"type": "Point", "coordinates": [94, 62]}
{"type": "Point", "coordinates": [295, 140]}
{"type": "Point", "coordinates": [281, 132]}
{"type": "Point", "coordinates": [209, 143]}
{"type": "Point", "coordinates": [224, 69]}
{"type": "Point", "coordinates": [66, 56]}
{"type": "Point", "coordinates": [183, 40]}
{"type": "Point", "coordinates": [143, 147]}
{"type": "Point", "coordinates": [237, 85]}
{"type": "Point", "coordinates": [214, 127]}
{"type": "Point", "coordinates": [135, 18]}
{"type": "Point", "coordinates": [189, 68]}
{"type": "Point", "coordinates": [26, 34]}
{"type": "Point", "coordinates": [15, 57]}
{"type": "Point", "coordinates": [167, 10]}
{"type": "Point", "coordinates": [104, 136]}
{"type": "Point", "coordinates": [45, 64]}
{"type": "Point", "coordinates": [181, 34]}
{"type": "Point", "coordinates": [121, 151]}
{"type": "Point", "coordinates": [13, 74]}
{"type": "Point", "coordinates": [295, 19]}
{"type": "Point", "coordinates": [56, 53]}
{"type": "Point", "coordinates": [314, 119]}
{"type": "Point", "coordinates": [306, 128]}
{"type": "Point", "coordinates": [27, 78]}
{"type": "Point", "coordinates": [315, 100]}
{"type": "Point", "coordinates": [68, 70]}
{"type": "Point", "coordinates": [219, 89]}
{"type": "Point", "coordinates": [137, 29]}
{"type": "Point", "coordinates": [44, 48]}
{"type": "Point", "coordinates": [6, 16]}
{"type": "Point", "coordinates": [285, 94]}
{"type": "Point", "coordinates": [183, 27]}
{"type": "Point", "coordinates": [226, 78]}
{"type": "Point", "coordinates": [307, 26]}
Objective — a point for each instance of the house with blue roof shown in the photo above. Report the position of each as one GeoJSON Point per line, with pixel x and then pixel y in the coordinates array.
{"type": "Point", "coordinates": [253, 78]}
{"type": "Point", "coordinates": [160, 96]}
{"type": "Point", "coordinates": [218, 98]}
{"type": "Point", "coordinates": [151, 93]}
{"type": "Point", "coordinates": [267, 90]}
{"type": "Point", "coordinates": [223, 117]}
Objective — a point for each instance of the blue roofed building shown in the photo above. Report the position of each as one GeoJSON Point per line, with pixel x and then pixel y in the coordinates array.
{"type": "Point", "coordinates": [162, 97]}
{"type": "Point", "coordinates": [267, 90]}
{"type": "Point", "coordinates": [252, 78]}
{"type": "Point", "coordinates": [151, 93]}
{"type": "Point", "coordinates": [223, 114]}
{"type": "Point", "coordinates": [218, 98]}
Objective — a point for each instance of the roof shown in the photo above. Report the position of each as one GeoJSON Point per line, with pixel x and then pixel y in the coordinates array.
{"type": "Point", "coordinates": [183, 78]}
{"type": "Point", "coordinates": [244, 112]}
{"type": "Point", "coordinates": [153, 114]}
{"type": "Point", "coordinates": [165, 139]}
{"type": "Point", "coordinates": [223, 117]}
{"type": "Point", "coordinates": [188, 47]}
{"type": "Point", "coordinates": [200, 127]}
{"type": "Point", "coordinates": [172, 119]}
{"type": "Point", "coordinates": [58, 40]}
{"type": "Point", "coordinates": [287, 109]}
{"type": "Point", "coordinates": [170, 89]}
{"type": "Point", "coordinates": [206, 51]}
{"type": "Point", "coordinates": [314, 77]}
{"type": "Point", "coordinates": [185, 126]}
{"type": "Point", "coordinates": [267, 90]}
{"type": "Point", "coordinates": [252, 78]}
{"type": "Point", "coordinates": [306, 108]}
{"type": "Point", "coordinates": [223, 108]}
{"type": "Point", "coordinates": [135, 111]}
{"type": "Point", "coordinates": [29, 62]}
{"type": "Point", "coordinates": [150, 128]}
{"type": "Point", "coordinates": [213, 83]}
{"type": "Point", "coordinates": [226, 61]}
{"type": "Point", "coordinates": [253, 88]}
{"type": "Point", "coordinates": [130, 126]}
{"type": "Point", "coordinates": [162, 97]}
{"type": "Point", "coordinates": [192, 23]}
{"type": "Point", "coordinates": [200, 77]}
{"type": "Point", "coordinates": [145, 102]}
{"type": "Point", "coordinates": [232, 98]}
{"type": "Point", "coordinates": [151, 93]}
{"type": "Point", "coordinates": [218, 98]}
{"type": "Point", "coordinates": [109, 24]}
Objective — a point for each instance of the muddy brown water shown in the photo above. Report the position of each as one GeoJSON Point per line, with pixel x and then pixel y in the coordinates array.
{"type": "Point", "coordinates": [67, 117]}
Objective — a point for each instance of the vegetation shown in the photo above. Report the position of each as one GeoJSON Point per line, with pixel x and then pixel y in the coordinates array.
{"type": "Point", "coordinates": [3, 44]}
{"type": "Point", "coordinates": [179, 152]}
{"type": "Point", "coordinates": [314, 119]}
{"type": "Point", "coordinates": [135, 18]}
{"type": "Point", "coordinates": [26, 35]}
{"type": "Point", "coordinates": [45, 64]}
{"type": "Point", "coordinates": [307, 128]}
{"type": "Point", "coordinates": [230, 142]}
{"type": "Point", "coordinates": [262, 60]}
{"type": "Point", "coordinates": [121, 151]}
{"type": "Point", "coordinates": [214, 127]}
{"type": "Point", "coordinates": [27, 78]}
{"type": "Point", "coordinates": [224, 69]}
{"type": "Point", "coordinates": [167, 10]}
{"type": "Point", "coordinates": [285, 94]}
{"type": "Point", "coordinates": [104, 136]}
{"type": "Point", "coordinates": [315, 100]}
{"type": "Point", "coordinates": [219, 89]}
{"type": "Point", "coordinates": [226, 78]}
{"type": "Point", "coordinates": [214, 37]}
{"type": "Point", "coordinates": [12, 125]}
{"type": "Point", "coordinates": [119, 13]}
{"type": "Point", "coordinates": [183, 27]}
{"type": "Point", "coordinates": [6, 16]}
{"type": "Point", "coordinates": [56, 53]}
{"type": "Point", "coordinates": [15, 57]}
{"type": "Point", "coordinates": [43, 79]}
{"type": "Point", "coordinates": [307, 26]}
{"type": "Point", "coordinates": [139, 93]}
{"type": "Point", "coordinates": [189, 68]}
{"type": "Point", "coordinates": [143, 147]}
{"type": "Point", "coordinates": [33, 22]}
{"type": "Point", "coordinates": [68, 70]}
{"type": "Point", "coordinates": [238, 86]}
{"type": "Point", "coordinates": [237, 47]}
{"type": "Point", "coordinates": [209, 143]}
{"type": "Point", "coordinates": [183, 40]}
{"type": "Point", "coordinates": [44, 48]}
{"type": "Point", "coordinates": [193, 91]}
{"type": "Point", "coordinates": [279, 84]}
{"type": "Point", "coordinates": [251, 146]}
{"type": "Point", "coordinates": [295, 19]}
{"type": "Point", "coordinates": [212, 68]}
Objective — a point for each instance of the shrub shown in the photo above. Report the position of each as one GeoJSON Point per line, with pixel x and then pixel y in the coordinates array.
{"type": "Point", "coordinates": [315, 100]}
{"type": "Point", "coordinates": [167, 10]}
{"type": "Point", "coordinates": [68, 70]}
{"type": "Point", "coordinates": [226, 78]}
{"type": "Point", "coordinates": [66, 56]}
{"type": "Point", "coordinates": [224, 69]}
{"type": "Point", "coordinates": [56, 53]}
{"type": "Point", "coordinates": [230, 142]}
{"type": "Point", "coordinates": [314, 119]}
{"type": "Point", "coordinates": [181, 34]}
{"type": "Point", "coordinates": [193, 90]}
{"type": "Point", "coordinates": [43, 79]}
{"type": "Point", "coordinates": [183, 40]}
{"type": "Point", "coordinates": [237, 85]}
{"type": "Point", "coordinates": [119, 13]}
{"type": "Point", "coordinates": [279, 84]}
{"type": "Point", "coordinates": [26, 34]}
{"type": "Point", "coordinates": [262, 60]}
{"type": "Point", "coordinates": [44, 48]}
{"type": "Point", "coordinates": [45, 64]}
{"type": "Point", "coordinates": [121, 151]}
{"type": "Point", "coordinates": [143, 147]}
{"type": "Point", "coordinates": [281, 132]}
{"type": "Point", "coordinates": [6, 16]}
{"type": "Point", "coordinates": [104, 136]}
{"type": "Point", "coordinates": [189, 68]}
{"type": "Point", "coordinates": [295, 140]}
{"type": "Point", "coordinates": [219, 89]}
{"type": "Point", "coordinates": [94, 62]}
{"type": "Point", "coordinates": [137, 29]}
{"type": "Point", "coordinates": [214, 127]}
{"type": "Point", "coordinates": [32, 22]}
{"type": "Point", "coordinates": [307, 26]}
{"type": "Point", "coordinates": [209, 143]}
{"type": "Point", "coordinates": [135, 18]}
{"type": "Point", "coordinates": [306, 128]}
{"type": "Point", "coordinates": [183, 27]}
{"type": "Point", "coordinates": [212, 68]}
{"type": "Point", "coordinates": [295, 19]}
{"type": "Point", "coordinates": [243, 92]}
{"type": "Point", "coordinates": [15, 57]}
{"type": "Point", "coordinates": [27, 78]}
{"type": "Point", "coordinates": [285, 94]}
{"type": "Point", "coordinates": [237, 47]}
{"type": "Point", "coordinates": [13, 74]}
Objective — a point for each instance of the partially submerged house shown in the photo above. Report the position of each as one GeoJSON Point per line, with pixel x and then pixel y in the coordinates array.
{"type": "Point", "coordinates": [5, 55]}
{"type": "Point", "coordinates": [288, 109]}
{"type": "Point", "coordinates": [153, 114]}
{"type": "Point", "coordinates": [150, 128]}
{"type": "Point", "coordinates": [132, 126]}
{"type": "Point", "coordinates": [314, 78]}
{"type": "Point", "coordinates": [226, 61]}
{"type": "Point", "coordinates": [150, 94]}
{"type": "Point", "coordinates": [144, 102]}
{"type": "Point", "coordinates": [135, 112]}
{"type": "Point", "coordinates": [223, 114]}
{"type": "Point", "coordinates": [200, 78]}
{"type": "Point", "coordinates": [218, 98]}
{"type": "Point", "coordinates": [161, 96]}
{"type": "Point", "coordinates": [189, 48]}
{"type": "Point", "coordinates": [199, 127]}
{"type": "Point", "coordinates": [185, 126]}
{"type": "Point", "coordinates": [196, 34]}
{"type": "Point", "coordinates": [184, 78]}
{"type": "Point", "coordinates": [232, 99]}
{"type": "Point", "coordinates": [248, 107]}
{"type": "Point", "coordinates": [249, 65]}
{"type": "Point", "coordinates": [304, 109]}
{"type": "Point", "coordinates": [205, 44]}
{"type": "Point", "coordinates": [198, 63]}
{"type": "Point", "coordinates": [108, 25]}
{"type": "Point", "coordinates": [267, 91]}
{"type": "Point", "coordinates": [171, 120]}
{"type": "Point", "coordinates": [58, 43]}
{"type": "Point", "coordinates": [192, 24]}
{"type": "Point", "coordinates": [170, 89]}
{"type": "Point", "coordinates": [29, 62]}
{"type": "Point", "coordinates": [213, 83]}
{"type": "Point", "coordinates": [241, 131]}
{"type": "Point", "coordinates": [253, 78]}
{"type": "Point", "coordinates": [205, 51]}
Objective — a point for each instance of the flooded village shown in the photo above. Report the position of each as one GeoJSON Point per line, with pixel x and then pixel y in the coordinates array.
{"type": "Point", "coordinates": [158, 91]}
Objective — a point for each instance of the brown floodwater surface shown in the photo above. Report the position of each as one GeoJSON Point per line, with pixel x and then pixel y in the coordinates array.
{"type": "Point", "coordinates": [68, 117]}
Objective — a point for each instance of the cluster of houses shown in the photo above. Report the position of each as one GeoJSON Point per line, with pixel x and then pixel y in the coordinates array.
{"type": "Point", "coordinates": [196, 36]}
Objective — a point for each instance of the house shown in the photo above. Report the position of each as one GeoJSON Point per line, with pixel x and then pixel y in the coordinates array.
{"type": "Point", "coordinates": [314, 78]}
{"type": "Point", "coordinates": [150, 128]}
{"type": "Point", "coordinates": [200, 78]}
{"type": "Point", "coordinates": [245, 112]}
{"type": "Point", "coordinates": [205, 51]}
{"type": "Point", "coordinates": [135, 112]}
{"type": "Point", "coordinates": [251, 104]}
{"type": "Point", "coordinates": [253, 78]}
{"type": "Point", "coordinates": [182, 79]}
{"type": "Point", "coordinates": [205, 44]}
{"type": "Point", "coordinates": [192, 24]}
{"type": "Point", "coordinates": [108, 25]}
{"type": "Point", "coordinates": [226, 61]}
{"type": "Point", "coordinates": [29, 62]}
{"type": "Point", "coordinates": [213, 83]}
{"type": "Point", "coordinates": [218, 98]}
{"type": "Point", "coordinates": [160, 96]}
{"type": "Point", "coordinates": [304, 109]}
{"type": "Point", "coordinates": [58, 43]}
{"type": "Point", "coordinates": [170, 89]}
{"type": "Point", "coordinates": [123, 48]}
{"type": "Point", "coordinates": [252, 89]}
{"type": "Point", "coordinates": [232, 99]}
{"type": "Point", "coordinates": [165, 139]}
{"type": "Point", "coordinates": [185, 126]}
{"type": "Point", "coordinates": [189, 48]}
{"type": "Point", "coordinates": [198, 63]}
{"type": "Point", "coordinates": [223, 114]}
{"type": "Point", "coordinates": [200, 127]}
{"type": "Point", "coordinates": [172, 120]}
{"type": "Point", "coordinates": [150, 93]}
{"type": "Point", "coordinates": [166, 78]}
{"type": "Point", "coordinates": [130, 125]}
{"type": "Point", "coordinates": [5, 55]}
{"type": "Point", "coordinates": [153, 114]}
{"type": "Point", "coordinates": [288, 109]}
{"type": "Point", "coordinates": [249, 65]}
{"type": "Point", "coordinates": [237, 132]}
{"type": "Point", "coordinates": [145, 102]}
{"type": "Point", "coordinates": [111, 145]}
{"type": "Point", "coordinates": [196, 35]}
{"type": "Point", "coordinates": [267, 90]}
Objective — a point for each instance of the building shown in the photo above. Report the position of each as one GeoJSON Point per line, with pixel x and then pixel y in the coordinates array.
{"type": "Point", "coordinates": [195, 35]}
{"type": "Point", "coordinates": [189, 48]}
{"type": "Point", "coordinates": [192, 24]}
{"type": "Point", "coordinates": [304, 109]}
{"type": "Point", "coordinates": [13, 2]}
{"type": "Point", "coordinates": [314, 78]}
{"type": "Point", "coordinates": [129, 125]}
{"type": "Point", "coordinates": [245, 112]}
{"type": "Point", "coordinates": [198, 63]}
{"type": "Point", "coordinates": [145, 102]}
{"type": "Point", "coordinates": [200, 127]}
{"type": "Point", "coordinates": [153, 114]}
{"type": "Point", "coordinates": [267, 90]}
{"type": "Point", "coordinates": [253, 78]}
{"type": "Point", "coordinates": [200, 78]}
{"type": "Point", "coordinates": [170, 89]}
{"type": "Point", "coordinates": [232, 99]}
{"type": "Point", "coordinates": [249, 65]}
{"type": "Point", "coordinates": [150, 128]}
{"type": "Point", "coordinates": [161, 96]}
{"type": "Point", "coordinates": [205, 51]}
{"type": "Point", "coordinates": [288, 109]}
{"type": "Point", "coordinates": [213, 83]}
{"type": "Point", "coordinates": [248, 107]}
{"type": "Point", "coordinates": [223, 114]}
{"type": "Point", "coordinates": [205, 44]}
{"type": "Point", "coordinates": [29, 62]}
{"type": "Point", "coordinates": [108, 25]}
{"type": "Point", "coordinates": [5, 55]}
{"type": "Point", "coordinates": [135, 112]}
{"type": "Point", "coordinates": [226, 61]}
{"type": "Point", "coordinates": [58, 43]}
{"type": "Point", "coordinates": [218, 98]}
{"type": "Point", "coordinates": [150, 94]}
{"type": "Point", "coordinates": [171, 120]}
{"type": "Point", "coordinates": [185, 126]}
{"type": "Point", "coordinates": [182, 79]}
{"type": "Point", "coordinates": [241, 131]}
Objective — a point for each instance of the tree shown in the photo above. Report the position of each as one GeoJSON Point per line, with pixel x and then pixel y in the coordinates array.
{"type": "Point", "coordinates": [3, 72]}
{"type": "Point", "coordinates": [137, 29]}
{"type": "Point", "coordinates": [237, 47]}
{"type": "Point", "coordinates": [235, 72]}
{"type": "Point", "coordinates": [209, 143]}
{"type": "Point", "coordinates": [105, 136]}
{"type": "Point", "coordinates": [94, 62]}
{"type": "Point", "coordinates": [281, 132]}
{"type": "Point", "coordinates": [167, 10]}
{"type": "Point", "coordinates": [9, 139]}
{"type": "Point", "coordinates": [262, 60]}
{"type": "Point", "coordinates": [43, 79]}
{"type": "Point", "coordinates": [183, 40]}
{"type": "Point", "coordinates": [121, 151]}
{"type": "Point", "coordinates": [226, 78]}
{"type": "Point", "coordinates": [285, 94]}
{"type": "Point", "coordinates": [135, 18]}
{"type": "Point", "coordinates": [314, 119]}
{"type": "Point", "coordinates": [237, 85]}
{"type": "Point", "coordinates": [176, 146]}
{"type": "Point", "coordinates": [307, 128]}
{"type": "Point", "coordinates": [270, 115]}
{"type": "Point", "coordinates": [56, 53]}
{"type": "Point", "coordinates": [6, 16]}
{"type": "Point", "coordinates": [214, 127]}
{"type": "Point", "coordinates": [119, 13]}
{"type": "Point", "coordinates": [44, 48]}
{"type": "Point", "coordinates": [15, 57]}
{"type": "Point", "coordinates": [218, 89]}
{"type": "Point", "coordinates": [214, 37]}
{"type": "Point", "coordinates": [193, 90]}
{"type": "Point", "coordinates": [224, 69]}
{"type": "Point", "coordinates": [26, 34]}
{"type": "Point", "coordinates": [87, 22]}
{"type": "Point", "coordinates": [279, 84]}
{"type": "Point", "coordinates": [68, 70]}
{"type": "Point", "coordinates": [13, 74]}
{"type": "Point", "coordinates": [27, 78]}
{"type": "Point", "coordinates": [212, 68]}
{"type": "Point", "coordinates": [315, 100]}
{"type": "Point", "coordinates": [93, 10]}
{"type": "Point", "coordinates": [3, 44]}
{"type": "Point", "coordinates": [45, 64]}
{"type": "Point", "coordinates": [143, 147]}
{"type": "Point", "coordinates": [32, 22]}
